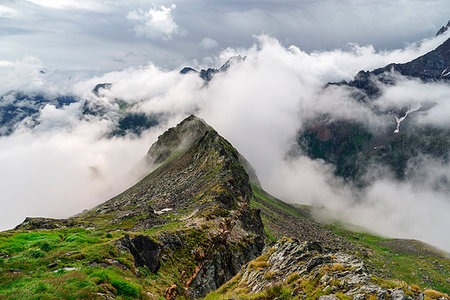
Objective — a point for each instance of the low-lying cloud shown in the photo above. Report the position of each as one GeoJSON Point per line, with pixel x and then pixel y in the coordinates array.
{"type": "Point", "coordinates": [67, 163]}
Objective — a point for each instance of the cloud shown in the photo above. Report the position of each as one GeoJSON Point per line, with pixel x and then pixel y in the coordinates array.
{"type": "Point", "coordinates": [68, 4]}
{"type": "Point", "coordinates": [57, 171]}
{"type": "Point", "coordinates": [23, 75]}
{"type": "Point", "coordinates": [7, 12]}
{"type": "Point", "coordinates": [259, 105]}
{"type": "Point", "coordinates": [155, 23]}
{"type": "Point", "coordinates": [208, 43]}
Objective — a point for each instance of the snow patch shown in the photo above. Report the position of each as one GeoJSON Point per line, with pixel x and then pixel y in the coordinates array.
{"type": "Point", "coordinates": [162, 211]}
{"type": "Point", "coordinates": [400, 120]}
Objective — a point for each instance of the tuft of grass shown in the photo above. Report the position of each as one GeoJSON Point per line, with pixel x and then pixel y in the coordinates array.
{"type": "Point", "coordinates": [36, 253]}
{"type": "Point", "coordinates": [293, 277]}
{"type": "Point", "coordinates": [269, 275]}
{"type": "Point", "coordinates": [433, 294]}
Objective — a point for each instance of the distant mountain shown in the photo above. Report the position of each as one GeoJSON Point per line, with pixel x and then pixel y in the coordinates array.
{"type": "Point", "coordinates": [208, 74]}
{"type": "Point", "coordinates": [17, 107]}
{"type": "Point", "coordinates": [352, 147]}
{"type": "Point", "coordinates": [432, 66]}
{"type": "Point", "coordinates": [197, 226]}
{"type": "Point", "coordinates": [23, 109]}
{"type": "Point", "coordinates": [443, 29]}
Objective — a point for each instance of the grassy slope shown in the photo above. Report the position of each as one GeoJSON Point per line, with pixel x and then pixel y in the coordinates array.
{"type": "Point", "coordinates": [93, 264]}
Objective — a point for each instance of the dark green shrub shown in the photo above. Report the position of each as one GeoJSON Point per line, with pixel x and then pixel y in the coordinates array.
{"type": "Point", "coordinates": [125, 288]}
{"type": "Point", "coordinates": [36, 253]}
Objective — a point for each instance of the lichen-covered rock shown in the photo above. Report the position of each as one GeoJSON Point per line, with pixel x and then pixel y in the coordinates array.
{"type": "Point", "coordinates": [304, 270]}
{"type": "Point", "coordinates": [31, 223]}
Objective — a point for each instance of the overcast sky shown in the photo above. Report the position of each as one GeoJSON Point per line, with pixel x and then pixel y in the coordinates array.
{"type": "Point", "coordinates": [104, 35]}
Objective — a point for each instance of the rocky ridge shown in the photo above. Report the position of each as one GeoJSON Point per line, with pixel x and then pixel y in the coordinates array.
{"type": "Point", "coordinates": [290, 269]}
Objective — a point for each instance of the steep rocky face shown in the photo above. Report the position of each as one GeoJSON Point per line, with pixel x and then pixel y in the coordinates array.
{"type": "Point", "coordinates": [145, 251]}
{"type": "Point", "coordinates": [199, 182]}
{"type": "Point", "coordinates": [432, 66]}
{"type": "Point", "coordinates": [303, 270]}
{"type": "Point", "coordinates": [195, 205]}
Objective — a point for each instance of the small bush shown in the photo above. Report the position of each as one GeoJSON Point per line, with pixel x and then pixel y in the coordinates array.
{"type": "Point", "coordinates": [76, 238]}
{"type": "Point", "coordinates": [124, 287]}
{"type": "Point", "coordinates": [435, 294]}
{"type": "Point", "coordinates": [274, 291]}
{"type": "Point", "coordinates": [258, 265]}
{"type": "Point", "coordinates": [45, 246]}
{"type": "Point", "coordinates": [36, 253]}
{"type": "Point", "coordinates": [269, 275]}
{"type": "Point", "coordinates": [415, 288]}
{"type": "Point", "coordinates": [40, 288]}
{"type": "Point", "coordinates": [337, 267]}
{"type": "Point", "coordinates": [293, 277]}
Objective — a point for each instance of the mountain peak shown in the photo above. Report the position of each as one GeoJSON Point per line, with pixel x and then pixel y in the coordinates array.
{"type": "Point", "coordinates": [195, 170]}
{"type": "Point", "coordinates": [177, 139]}
{"type": "Point", "coordinates": [443, 29]}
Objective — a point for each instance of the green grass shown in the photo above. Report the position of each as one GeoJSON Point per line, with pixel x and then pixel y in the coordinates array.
{"type": "Point", "coordinates": [420, 270]}
{"type": "Point", "coordinates": [33, 252]}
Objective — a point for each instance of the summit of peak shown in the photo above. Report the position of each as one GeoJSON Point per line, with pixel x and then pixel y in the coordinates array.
{"type": "Point", "coordinates": [177, 139]}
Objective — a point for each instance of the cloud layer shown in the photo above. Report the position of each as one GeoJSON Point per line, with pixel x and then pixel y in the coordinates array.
{"type": "Point", "coordinates": [67, 163]}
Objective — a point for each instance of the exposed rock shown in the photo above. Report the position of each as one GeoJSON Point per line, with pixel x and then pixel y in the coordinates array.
{"type": "Point", "coordinates": [144, 250]}
{"type": "Point", "coordinates": [443, 29]}
{"type": "Point", "coordinates": [307, 271]}
{"type": "Point", "coordinates": [208, 74]}
{"type": "Point", "coordinates": [45, 223]}
{"type": "Point", "coordinates": [97, 90]}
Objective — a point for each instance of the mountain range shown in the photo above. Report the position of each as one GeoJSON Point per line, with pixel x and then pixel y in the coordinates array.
{"type": "Point", "coordinates": [199, 224]}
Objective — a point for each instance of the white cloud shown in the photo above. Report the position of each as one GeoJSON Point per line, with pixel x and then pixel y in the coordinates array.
{"type": "Point", "coordinates": [68, 4]}
{"type": "Point", "coordinates": [7, 12]}
{"type": "Point", "coordinates": [155, 23]}
{"type": "Point", "coordinates": [5, 63]}
{"type": "Point", "coordinates": [208, 43]}
{"type": "Point", "coordinates": [23, 75]}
